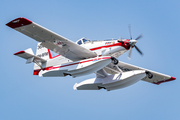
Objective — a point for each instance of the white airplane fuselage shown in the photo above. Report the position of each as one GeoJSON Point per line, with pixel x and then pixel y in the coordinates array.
{"type": "Point", "coordinates": [101, 48]}
{"type": "Point", "coordinates": [107, 48]}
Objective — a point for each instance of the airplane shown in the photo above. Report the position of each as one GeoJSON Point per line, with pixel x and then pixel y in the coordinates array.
{"type": "Point", "coordinates": [84, 57]}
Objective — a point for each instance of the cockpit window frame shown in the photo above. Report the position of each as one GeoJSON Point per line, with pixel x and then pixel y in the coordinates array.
{"type": "Point", "coordinates": [84, 40]}
{"type": "Point", "coordinates": [79, 42]}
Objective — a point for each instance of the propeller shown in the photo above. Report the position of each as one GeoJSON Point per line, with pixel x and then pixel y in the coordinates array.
{"type": "Point", "coordinates": [129, 26]}
{"type": "Point", "coordinates": [139, 37]}
{"type": "Point", "coordinates": [133, 42]}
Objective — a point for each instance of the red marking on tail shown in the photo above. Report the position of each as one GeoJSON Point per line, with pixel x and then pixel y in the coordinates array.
{"type": "Point", "coordinates": [36, 72]}
{"type": "Point", "coordinates": [50, 56]}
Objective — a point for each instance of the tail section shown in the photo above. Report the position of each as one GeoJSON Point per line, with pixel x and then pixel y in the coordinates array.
{"type": "Point", "coordinates": [40, 59]}
{"type": "Point", "coordinates": [43, 52]}
{"type": "Point", "coordinates": [29, 56]}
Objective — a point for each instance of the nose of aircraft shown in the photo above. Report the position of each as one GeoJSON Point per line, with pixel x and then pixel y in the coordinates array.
{"type": "Point", "coordinates": [132, 42]}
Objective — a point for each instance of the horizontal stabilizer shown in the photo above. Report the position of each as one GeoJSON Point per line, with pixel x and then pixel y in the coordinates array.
{"type": "Point", "coordinates": [29, 56]}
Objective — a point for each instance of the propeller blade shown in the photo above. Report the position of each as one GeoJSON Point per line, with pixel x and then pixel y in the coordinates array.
{"type": "Point", "coordinates": [138, 50]}
{"type": "Point", "coordinates": [140, 36]}
{"type": "Point", "coordinates": [129, 56]}
{"type": "Point", "coordinates": [129, 26]}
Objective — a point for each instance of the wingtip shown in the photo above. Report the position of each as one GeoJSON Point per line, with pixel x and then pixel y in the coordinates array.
{"type": "Point", "coordinates": [172, 78]}
{"type": "Point", "coordinates": [18, 22]}
{"type": "Point", "coordinates": [20, 52]}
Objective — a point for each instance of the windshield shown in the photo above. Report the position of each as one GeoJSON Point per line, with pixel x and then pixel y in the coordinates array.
{"type": "Point", "coordinates": [85, 40]}
{"type": "Point", "coordinates": [79, 42]}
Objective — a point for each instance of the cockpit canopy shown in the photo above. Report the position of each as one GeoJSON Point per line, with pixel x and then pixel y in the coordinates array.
{"type": "Point", "coordinates": [82, 41]}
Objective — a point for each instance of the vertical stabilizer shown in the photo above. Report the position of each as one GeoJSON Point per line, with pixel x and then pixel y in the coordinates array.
{"type": "Point", "coordinates": [43, 53]}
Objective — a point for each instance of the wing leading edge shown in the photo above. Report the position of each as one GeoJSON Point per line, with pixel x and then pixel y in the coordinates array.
{"type": "Point", "coordinates": [51, 40]}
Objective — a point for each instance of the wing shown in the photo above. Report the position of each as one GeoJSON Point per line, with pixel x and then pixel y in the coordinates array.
{"type": "Point", "coordinates": [51, 40]}
{"type": "Point", "coordinates": [152, 76]}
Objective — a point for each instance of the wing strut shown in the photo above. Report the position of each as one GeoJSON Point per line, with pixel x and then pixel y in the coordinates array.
{"type": "Point", "coordinates": [112, 69]}
{"type": "Point", "coordinates": [119, 69]}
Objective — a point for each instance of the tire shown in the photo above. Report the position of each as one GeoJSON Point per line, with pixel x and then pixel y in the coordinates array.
{"type": "Point", "coordinates": [149, 74]}
{"type": "Point", "coordinates": [115, 61]}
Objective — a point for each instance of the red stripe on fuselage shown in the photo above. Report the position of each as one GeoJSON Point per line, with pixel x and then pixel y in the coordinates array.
{"type": "Point", "coordinates": [125, 45]}
{"type": "Point", "coordinates": [36, 72]}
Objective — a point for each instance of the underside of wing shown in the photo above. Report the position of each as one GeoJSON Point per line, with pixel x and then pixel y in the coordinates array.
{"type": "Point", "coordinates": [151, 76]}
{"type": "Point", "coordinates": [51, 40]}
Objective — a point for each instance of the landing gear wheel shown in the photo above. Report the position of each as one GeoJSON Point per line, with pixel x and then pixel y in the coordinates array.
{"type": "Point", "coordinates": [149, 74]}
{"type": "Point", "coordinates": [115, 61]}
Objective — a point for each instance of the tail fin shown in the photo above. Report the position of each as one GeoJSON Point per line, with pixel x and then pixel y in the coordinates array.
{"type": "Point", "coordinates": [43, 53]}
